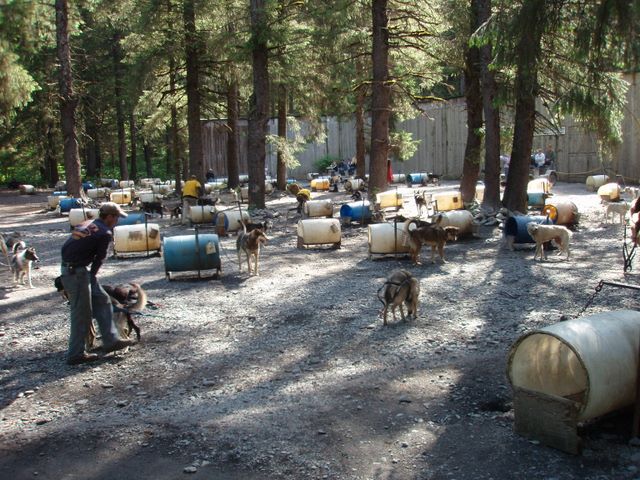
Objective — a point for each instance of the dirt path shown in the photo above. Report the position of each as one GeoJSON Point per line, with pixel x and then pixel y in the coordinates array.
{"type": "Point", "coordinates": [290, 374]}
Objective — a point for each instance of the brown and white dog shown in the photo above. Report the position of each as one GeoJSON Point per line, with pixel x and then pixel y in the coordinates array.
{"type": "Point", "coordinates": [21, 263]}
{"type": "Point", "coordinates": [432, 235]}
{"type": "Point", "coordinates": [545, 233]}
{"type": "Point", "coordinates": [400, 288]}
{"type": "Point", "coordinates": [249, 244]}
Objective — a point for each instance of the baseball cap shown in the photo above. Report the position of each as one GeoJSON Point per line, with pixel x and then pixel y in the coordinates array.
{"type": "Point", "coordinates": [110, 208]}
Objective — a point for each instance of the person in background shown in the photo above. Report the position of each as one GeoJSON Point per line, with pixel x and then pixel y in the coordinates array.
{"type": "Point", "coordinates": [86, 246]}
{"type": "Point", "coordinates": [211, 176]}
{"type": "Point", "coordinates": [191, 191]}
{"type": "Point", "coordinates": [550, 158]}
{"type": "Point", "coordinates": [539, 160]}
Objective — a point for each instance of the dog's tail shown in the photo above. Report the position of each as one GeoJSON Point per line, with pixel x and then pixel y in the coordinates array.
{"type": "Point", "coordinates": [244, 226]}
{"type": "Point", "coordinates": [20, 245]}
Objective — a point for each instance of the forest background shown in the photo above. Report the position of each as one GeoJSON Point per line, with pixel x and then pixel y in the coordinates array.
{"type": "Point", "coordinates": [120, 88]}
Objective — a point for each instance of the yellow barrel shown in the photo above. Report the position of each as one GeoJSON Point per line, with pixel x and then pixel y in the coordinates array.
{"type": "Point", "coordinates": [233, 216]}
{"type": "Point", "coordinates": [539, 185]}
{"type": "Point", "coordinates": [561, 212]}
{"type": "Point", "coordinates": [136, 238]}
{"type": "Point", "coordinates": [609, 192]}
{"type": "Point", "coordinates": [316, 231]}
{"type": "Point", "coordinates": [321, 184]}
{"type": "Point", "coordinates": [121, 197]}
{"type": "Point", "coordinates": [388, 199]}
{"type": "Point", "coordinates": [596, 181]}
{"type": "Point", "coordinates": [79, 215]}
{"type": "Point", "coordinates": [451, 200]}
{"type": "Point", "coordinates": [100, 192]}
{"type": "Point", "coordinates": [318, 208]}
{"type": "Point", "coordinates": [462, 219]}
{"type": "Point", "coordinates": [202, 213]}
{"type": "Point", "coordinates": [388, 238]}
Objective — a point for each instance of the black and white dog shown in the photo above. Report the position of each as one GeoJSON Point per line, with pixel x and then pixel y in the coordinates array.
{"type": "Point", "coordinates": [21, 262]}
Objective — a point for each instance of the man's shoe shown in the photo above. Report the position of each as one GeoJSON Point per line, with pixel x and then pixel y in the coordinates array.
{"type": "Point", "coordinates": [84, 358]}
{"type": "Point", "coordinates": [117, 345]}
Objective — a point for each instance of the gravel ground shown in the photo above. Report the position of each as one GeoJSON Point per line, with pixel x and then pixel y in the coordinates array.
{"type": "Point", "coordinates": [290, 374]}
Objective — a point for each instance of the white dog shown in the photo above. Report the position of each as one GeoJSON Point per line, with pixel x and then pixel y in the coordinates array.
{"type": "Point", "coordinates": [545, 233]}
{"type": "Point", "coordinates": [613, 208]}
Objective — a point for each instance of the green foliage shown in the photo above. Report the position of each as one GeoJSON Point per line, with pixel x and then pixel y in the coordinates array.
{"type": "Point", "coordinates": [322, 164]}
{"type": "Point", "coordinates": [403, 146]}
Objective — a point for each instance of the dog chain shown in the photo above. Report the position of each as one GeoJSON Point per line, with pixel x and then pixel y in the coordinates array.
{"type": "Point", "coordinates": [599, 287]}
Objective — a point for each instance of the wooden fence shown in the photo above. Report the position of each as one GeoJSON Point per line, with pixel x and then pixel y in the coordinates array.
{"type": "Point", "coordinates": [442, 133]}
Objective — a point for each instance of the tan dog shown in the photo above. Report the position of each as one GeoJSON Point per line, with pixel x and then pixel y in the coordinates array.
{"type": "Point", "coordinates": [545, 233]}
{"type": "Point", "coordinates": [249, 244]}
{"type": "Point", "coordinates": [435, 236]}
{"type": "Point", "coordinates": [400, 288]}
{"type": "Point", "coordinates": [613, 208]}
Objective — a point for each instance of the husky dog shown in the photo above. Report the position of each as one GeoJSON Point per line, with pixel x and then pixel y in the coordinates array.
{"type": "Point", "coordinates": [400, 288]}
{"type": "Point", "coordinates": [21, 262]}
{"type": "Point", "coordinates": [249, 244]}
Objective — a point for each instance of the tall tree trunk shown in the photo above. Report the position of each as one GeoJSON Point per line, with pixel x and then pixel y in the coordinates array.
{"type": "Point", "coordinates": [527, 54]}
{"type": "Point", "coordinates": [178, 168]}
{"type": "Point", "coordinates": [282, 133]}
{"type": "Point", "coordinates": [380, 99]}
{"type": "Point", "coordinates": [148, 165]}
{"type": "Point", "coordinates": [133, 133]}
{"type": "Point", "coordinates": [50, 159]}
{"type": "Point", "coordinates": [120, 123]}
{"type": "Point", "coordinates": [192, 47]}
{"type": "Point", "coordinates": [360, 141]}
{"type": "Point", "coordinates": [473, 96]}
{"type": "Point", "coordinates": [68, 102]}
{"type": "Point", "coordinates": [491, 198]}
{"type": "Point", "coordinates": [233, 138]}
{"type": "Point", "coordinates": [258, 104]}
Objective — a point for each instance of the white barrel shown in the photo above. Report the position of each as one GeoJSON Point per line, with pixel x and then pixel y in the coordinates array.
{"type": "Point", "coordinates": [315, 231]}
{"type": "Point", "coordinates": [228, 197]}
{"type": "Point", "coordinates": [479, 192]}
{"type": "Point", "coordinates": [100, 192]}
{"type": "Point", "coordinates": [318, 208]}
{"type": "Point", "coordinates": [79, 215]}
{"type": "Point", "coordinates": [54, 200]}
{"type": "Point", "coordinates": [592, 360]}
{"type": "Point", "coordinates": [462, 219]}
{"type": "Point", "coordinates": [451, 200]}
{"type": "Point", "coordinates": [232, 219]}
{"type": "Point", "coordinates": [596, 181]}
{"type": "Point", "coordinates": [388, 238]}
{"type": "Point", "coordinates": [353, 184]}
{"type": "Point", "coordinates": [126, 183]}
{"type": "Point", "coordinates": [27, 189]}
{"type": "Point", "coordinates": [135, 238]}
{"type": "Point", "coordinates": [60, 185]}
{"type": "Point", "coordinates": [311, 176]}
{"type": "Point", "coordinates": [147, 182]}
{"type": "Point", "coordinates": [609, 192]}
{"type": "Point", "coordinates": [243, 178]}
{"type": "Point", "coordinates": [121, 197]}
{"type": "Point", "coordinates": [150, 197]}
{"type": "Point", "coordinates": [268, 187]}
{"type": "Point", "coordinates": [162, 189]}
{"type": "Point", "coordinates": [201, 213]}
{"type": "Point", "coordinates": [388, 199]}
{"type": "Point", "coordinates": [208, 187]}
{"type": "Point", "coordinates": [399, 178]}
{"type": "Point", "coordinates": [539, 185]}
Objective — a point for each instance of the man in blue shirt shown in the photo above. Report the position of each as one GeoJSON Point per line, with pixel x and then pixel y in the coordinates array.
{"type": "Point", "coordinates": [87, 246]}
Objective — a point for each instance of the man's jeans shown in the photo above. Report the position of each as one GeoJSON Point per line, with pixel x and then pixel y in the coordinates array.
{"type": "Point", "coordinates": [87, 299]}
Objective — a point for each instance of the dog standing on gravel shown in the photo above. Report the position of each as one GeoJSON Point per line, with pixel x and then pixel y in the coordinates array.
{"type": "Point", "coordinates": [613, 208]}
{"type": "Point", "coordinates": [249, 244]}
{"type": "Point", "coordinates": [432, 235]}
{"type": "Point", "coordinates": [400, 288]}
{"type": "Point", "coordinates": [545, 233]}
{"type": "Point", "coordinates": [21, 263]}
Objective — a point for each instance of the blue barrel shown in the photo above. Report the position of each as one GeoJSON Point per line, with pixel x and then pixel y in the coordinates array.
{"type": "Point", "coordinates": [132, 218]}
{"type": "Point", "coordinates": [356, 211]}
{"type": "Point", "coordinates": [517, 227]}
{"type": "Point", "coordinates": [87, 185]}
{"type": "Point", "coordinates": [226, 220]}
{"type": "Point", "coordinates": [67, 204]}
{"type": "Point", "coordinates": [181, 255]}
{"type": "Point", "coordinates": [61, 193]}
{"type": "Point", "coordinates": [536, 199]}
{"type": "Point", "coordinates": [417, 178]}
